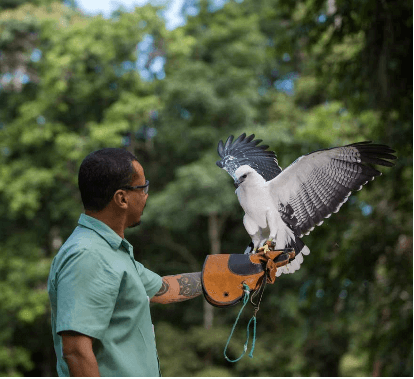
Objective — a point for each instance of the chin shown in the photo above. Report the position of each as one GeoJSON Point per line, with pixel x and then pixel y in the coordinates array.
{"type": "Point", "coordinates": [134, 225]}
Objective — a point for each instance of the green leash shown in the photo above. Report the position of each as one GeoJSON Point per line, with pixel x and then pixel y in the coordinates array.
{"type": "Point", "coordinates": [246, 290]}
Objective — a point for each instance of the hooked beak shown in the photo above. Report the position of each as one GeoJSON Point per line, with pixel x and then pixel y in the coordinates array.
{"type": "Point", "coordinates": [237, 182]}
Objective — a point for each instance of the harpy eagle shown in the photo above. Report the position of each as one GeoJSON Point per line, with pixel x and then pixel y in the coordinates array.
{"type": "Point", "coordinates": [283, 205]}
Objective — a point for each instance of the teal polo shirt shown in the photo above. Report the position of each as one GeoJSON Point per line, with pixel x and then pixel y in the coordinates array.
{"type": "Point", "coordinates": [97, 288]}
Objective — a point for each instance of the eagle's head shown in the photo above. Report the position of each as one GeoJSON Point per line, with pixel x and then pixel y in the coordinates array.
{"type": "Point", "coordinates": [248, 175]}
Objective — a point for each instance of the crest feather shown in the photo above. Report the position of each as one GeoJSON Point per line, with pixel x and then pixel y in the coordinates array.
{"type": "Point", "coordinates": [245, 151]}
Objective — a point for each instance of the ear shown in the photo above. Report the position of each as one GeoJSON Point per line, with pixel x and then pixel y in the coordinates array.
{"type": "Point", "coordinates": [121, 199]}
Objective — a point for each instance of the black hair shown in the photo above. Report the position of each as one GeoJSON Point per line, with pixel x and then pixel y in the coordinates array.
{"type": "Point", "coordinates": [102, 173]}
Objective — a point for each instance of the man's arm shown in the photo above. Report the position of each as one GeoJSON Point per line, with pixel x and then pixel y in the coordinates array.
{"type": "Point", "coordinates": [78, 354]}
{"type": "Point", "coordinates": [178, 288]}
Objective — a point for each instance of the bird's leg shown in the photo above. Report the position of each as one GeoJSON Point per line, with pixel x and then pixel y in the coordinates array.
{"type": "Point", "coordinates": [271, 241]}
{"type": "Point", "coordinates": [253, 246]}
{"type": "Point", "coordinates": [269, 245]}
{"type": "Point", "coordinates": [249, 249]}
{"type": "Point", "coordinates": [256, 242]}
{"type": "Point", "coordinates": [273, 223]}
{"type": "Point", "coordinates": [254, 231]}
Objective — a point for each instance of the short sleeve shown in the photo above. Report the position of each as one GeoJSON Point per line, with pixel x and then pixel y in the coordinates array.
{"type": "Point", "coordinates": [87, 290]}
{"type": "Point", "coordinates": [151, 281]}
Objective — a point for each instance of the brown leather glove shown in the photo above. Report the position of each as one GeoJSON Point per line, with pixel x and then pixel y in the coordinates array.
{"type": "Point", "coordinates": [223, 275]}
{"type": "Point", "coordinates": [272, 259]}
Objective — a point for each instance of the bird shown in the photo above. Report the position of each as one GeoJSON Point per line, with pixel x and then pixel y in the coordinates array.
{"type": "Point", "coordinates": [281, 206]}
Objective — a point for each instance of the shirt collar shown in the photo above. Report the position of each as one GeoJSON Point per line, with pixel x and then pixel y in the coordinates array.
{"type": "Point", "coordinates": [113, 239]}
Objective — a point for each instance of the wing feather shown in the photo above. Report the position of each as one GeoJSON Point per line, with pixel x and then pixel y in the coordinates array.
{"type": "Point", "coordinates": [320, 206]}
{"type": "Point", "coordinates": [318, 184]}
{"type": "Point", "coordinates": [247, 151]}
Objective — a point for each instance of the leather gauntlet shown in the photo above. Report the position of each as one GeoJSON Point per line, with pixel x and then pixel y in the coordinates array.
{"type": "Point", "coordinates": [223, 275]}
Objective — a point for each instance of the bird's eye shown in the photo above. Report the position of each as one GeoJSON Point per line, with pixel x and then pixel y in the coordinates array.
{"type": "Point", "coordinates": [244, 176]}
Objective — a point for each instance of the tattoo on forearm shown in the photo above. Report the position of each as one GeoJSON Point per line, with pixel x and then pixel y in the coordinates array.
{"type": "Point", "coordinates": [190, 284]}
{"type": "Point", "coordinates": [164, 288]}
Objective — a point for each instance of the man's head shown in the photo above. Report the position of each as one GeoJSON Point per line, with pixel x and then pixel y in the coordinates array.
{"type": "Point", "coordinates": [105, 180]}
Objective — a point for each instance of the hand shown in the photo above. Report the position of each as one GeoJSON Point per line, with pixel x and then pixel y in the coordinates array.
{"type": "Point", "coordinates": [225, 275]}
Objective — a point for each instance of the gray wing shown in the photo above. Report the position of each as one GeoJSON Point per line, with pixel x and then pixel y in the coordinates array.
{"type": "Point", "coordinates": [245, 151]}
{"type": "Point", "coordinates": [316, 185]}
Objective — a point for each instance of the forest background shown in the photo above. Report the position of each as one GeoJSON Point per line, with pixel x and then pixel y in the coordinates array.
{"type": "Point", "coordinates": [302, 75]}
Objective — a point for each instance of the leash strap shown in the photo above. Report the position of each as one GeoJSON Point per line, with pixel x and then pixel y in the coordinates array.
{"type": "Point", "coordinates": [259, 294]}
{"type": "Point", "coordinates": [246, 290]}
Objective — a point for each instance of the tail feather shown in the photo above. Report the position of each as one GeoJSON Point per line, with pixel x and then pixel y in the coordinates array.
{"type": "Point", "coordinates": [300, 249]}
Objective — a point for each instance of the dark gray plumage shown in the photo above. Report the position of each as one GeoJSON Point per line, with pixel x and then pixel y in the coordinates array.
{"type": "Point", "coordinates": [284, 205]}
{"type": "Point", "coordinates": [245, 151]}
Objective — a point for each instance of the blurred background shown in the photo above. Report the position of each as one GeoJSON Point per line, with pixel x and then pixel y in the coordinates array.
{"type": "Point", "coordinates": [167, 81]}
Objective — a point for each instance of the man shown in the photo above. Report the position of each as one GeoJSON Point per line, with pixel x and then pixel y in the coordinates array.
{"type": "Point", "coordinates": [99, 293]}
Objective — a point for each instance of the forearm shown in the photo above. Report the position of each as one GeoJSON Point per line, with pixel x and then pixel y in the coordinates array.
{"type": "Point", "coordinates": [177, 288]}
{"type": "Point", "coordinates": [82, 364]}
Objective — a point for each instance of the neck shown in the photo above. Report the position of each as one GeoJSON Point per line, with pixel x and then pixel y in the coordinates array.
{"type": "Point", "coordinates": [115, 221]}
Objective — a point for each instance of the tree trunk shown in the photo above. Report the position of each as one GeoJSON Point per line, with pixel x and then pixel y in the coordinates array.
{"type": "Point", "coordinates": [214, 231]}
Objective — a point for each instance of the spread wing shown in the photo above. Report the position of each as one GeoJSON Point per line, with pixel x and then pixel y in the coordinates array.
{"type": "Point", "coordinates": [244, 151]}
{"type": "Point", "coordinates": [317, 184]}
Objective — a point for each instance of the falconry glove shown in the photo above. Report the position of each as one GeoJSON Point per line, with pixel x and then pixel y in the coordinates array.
{"type": "Point", "coordinates": [225, 276]}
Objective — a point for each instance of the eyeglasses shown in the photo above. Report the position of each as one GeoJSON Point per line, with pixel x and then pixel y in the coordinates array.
{"type": "Point", "coordinates": [145, 187]}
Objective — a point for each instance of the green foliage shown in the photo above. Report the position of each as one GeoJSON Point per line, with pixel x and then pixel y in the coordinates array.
{"type": "Point", "coordinates": [301, 76]}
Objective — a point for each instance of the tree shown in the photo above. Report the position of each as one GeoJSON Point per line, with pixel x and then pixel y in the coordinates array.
{"type": "Point", "coordinates": [301, 76]}
{"type": "Point", "coordinates": [73, 89]}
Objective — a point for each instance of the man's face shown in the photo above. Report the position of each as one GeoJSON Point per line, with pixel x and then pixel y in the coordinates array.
{"type": "Point", "coordinates": [137, 197]}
